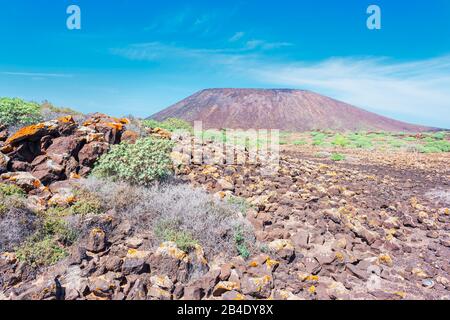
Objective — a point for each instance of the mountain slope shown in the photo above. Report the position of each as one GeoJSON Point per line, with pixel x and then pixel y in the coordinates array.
{"type": "Point", "coordinates": [284, 109]}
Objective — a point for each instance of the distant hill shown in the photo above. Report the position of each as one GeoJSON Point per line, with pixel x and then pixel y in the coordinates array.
{"type": "Point", "coordinates": [284, 109]}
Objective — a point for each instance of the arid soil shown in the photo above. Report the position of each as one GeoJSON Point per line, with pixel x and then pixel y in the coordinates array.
{"type": "Point", "coordinates": [373, 226]}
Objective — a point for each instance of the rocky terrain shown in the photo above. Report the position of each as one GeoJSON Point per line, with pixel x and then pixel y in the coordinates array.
{"type": "Point", "coordinates": [284, 109]}
{"type": "Point", "coordinates": [374, 226]}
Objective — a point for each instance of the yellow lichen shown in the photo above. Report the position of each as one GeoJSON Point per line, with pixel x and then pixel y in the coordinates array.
{"type": "Point", "coordinates": [340, 256]}
{"type": "Point", "coordinates": [401, 294]}
{"type": "Point", "coordinates": [385, 259]}
{"type": "Point", "coordinates": [271, 263]}
{"type": "Point", "coordinates": [312, 290]}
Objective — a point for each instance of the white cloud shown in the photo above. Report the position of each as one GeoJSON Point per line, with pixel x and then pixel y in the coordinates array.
{"type": "Point", "coordinates": [237, 36]}
{"type": "Point", "coordinates": [417, 89]}
{"type": "Point", "coordinates": [36, 75]}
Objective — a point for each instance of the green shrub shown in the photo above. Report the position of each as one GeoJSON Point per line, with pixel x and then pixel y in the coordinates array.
{"type": "Point", "coordinates": [58, 228]}
{"type": "Point", "coordinates": [40, 253]}
{"type": "Point", "coordinates": [396, 143]}
{"type": "Point", "coordinates": [363, 143]}
{"type": "Point", "coordinates": [340, 140]}
{"type": "Point", "coordinates": [300, 142]}
{"type": "Point", "coordinates": [171, 124]}
{"type": "Point", "coordinates": [439, 135]}
{"type": "Point", "coordinates": [141, 163]}
{"type": "Point", "coordinates": [17, 112]}
{"type": "Point", "coordinates": [48, 244]}
{"type": "Point", "coordinates": [86, 203]}
{"type": "Point", "coordinates": [167, 231]}
{"type": "Point", "coordinates": [241, 204]}
{"type": "Point", "coordinates": [337, 157]}
{"type": "Point", "coordinates": [241, 245]}
{"type": "Point", "coordinates": [11, 190]}
{"type": "Point", "coordinates": [437, 146]}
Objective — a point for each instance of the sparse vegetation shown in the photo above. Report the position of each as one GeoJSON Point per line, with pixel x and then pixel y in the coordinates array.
{"type": "Point", "coordinates": [171, 124]}
{"type": "Point", "coordinates": [42, 252]}
{"type": "Point", "coordinates": [175, 212]}
{"type": "Point", "coordinates": [383, 141]}
{"type": "Point", "coordinates": [337, 157]}
{"type": "Point", "coordinates": [241, 204]}
{"type": "Point", "coordinates": [11, 190]}
{"type": "Point", "coordinates": [168, 231]}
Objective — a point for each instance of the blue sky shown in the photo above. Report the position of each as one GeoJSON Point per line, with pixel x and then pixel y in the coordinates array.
{"type": "Point", "coordinates": [141, 56]}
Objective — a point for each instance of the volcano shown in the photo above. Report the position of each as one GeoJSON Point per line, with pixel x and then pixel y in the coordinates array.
{"type": "Point", "coordinates": [284, 109]}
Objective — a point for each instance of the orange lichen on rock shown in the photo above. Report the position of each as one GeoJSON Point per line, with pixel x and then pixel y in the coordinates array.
{"type": "Point", "coordinates": [37, 183]}
{"type": "Point", "coordinates": [66, 119]}
{"type": "Point", "coordinates": [25, 133]}
{"type": "Point", "coordinates": [115, 125]}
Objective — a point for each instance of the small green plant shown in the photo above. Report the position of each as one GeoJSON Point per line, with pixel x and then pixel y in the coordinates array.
{"type": "Point", "coordinates": [167, 231]}
{"type": "Point", "coordinates": [299, 142]}
{"type": "Point", "coordinates": [86, 203]}
{"type": "Point", "coordinates": [141, 163]}
{"type": "Point", "coordinates": [239, 241]}
{"type": "Point", "coordinates": [17, 112]}
{"type": "Point", "coordinates": [240, 203]}
{"type": "Point", "coordinates": [48, 244]}
{"type": "Point", "coordinates": [11, 190]}
{"type": "Point", "coordinates": [337, 157]}
{"type": "Point", "coordinates": [340, 140]}
{"type": "Point", "coordinates": [439, 135]}
{"type": "Point", "coordinates": [58, 228]}
{"type": "Point", "coordinates": [41, 253]}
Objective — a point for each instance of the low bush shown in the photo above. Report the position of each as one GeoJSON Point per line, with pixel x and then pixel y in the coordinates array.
{"type": "Point", "coordinates": [17, 221]}
{"type": "Point", "coordinates": [176, 211]}
{"type": "Point", "coordinates": [11, 190]}
{"type": "Point", "coordinates": [241, 243]}
{"type": "Point", "coordinates": [40, 253]}
{"type": "Point", "coordinates": [337, 157]}
{"type": "Point", "coordinates": [141, 163]}
{"type": "Point", "coordinates": [86, 203]}
{"type": "Point", "coordinates": [300, 142]}
{"type": "Point", "coordinates": [239, 203]}
{"type": "Point", "coordinates": [340, 140]}
{"type": "Point", "coordinates": [169, 231]}
{"type": "Point", "coordinates": [437, 146]}
{"type": "Point", "coordinates": [50, 112]}
{"type": "Point", "coordinates": [439, 135]}
{"type": "Point", "coordinates": [48, 244]}
{"type": "Point", "coordinates": [17, 112]}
